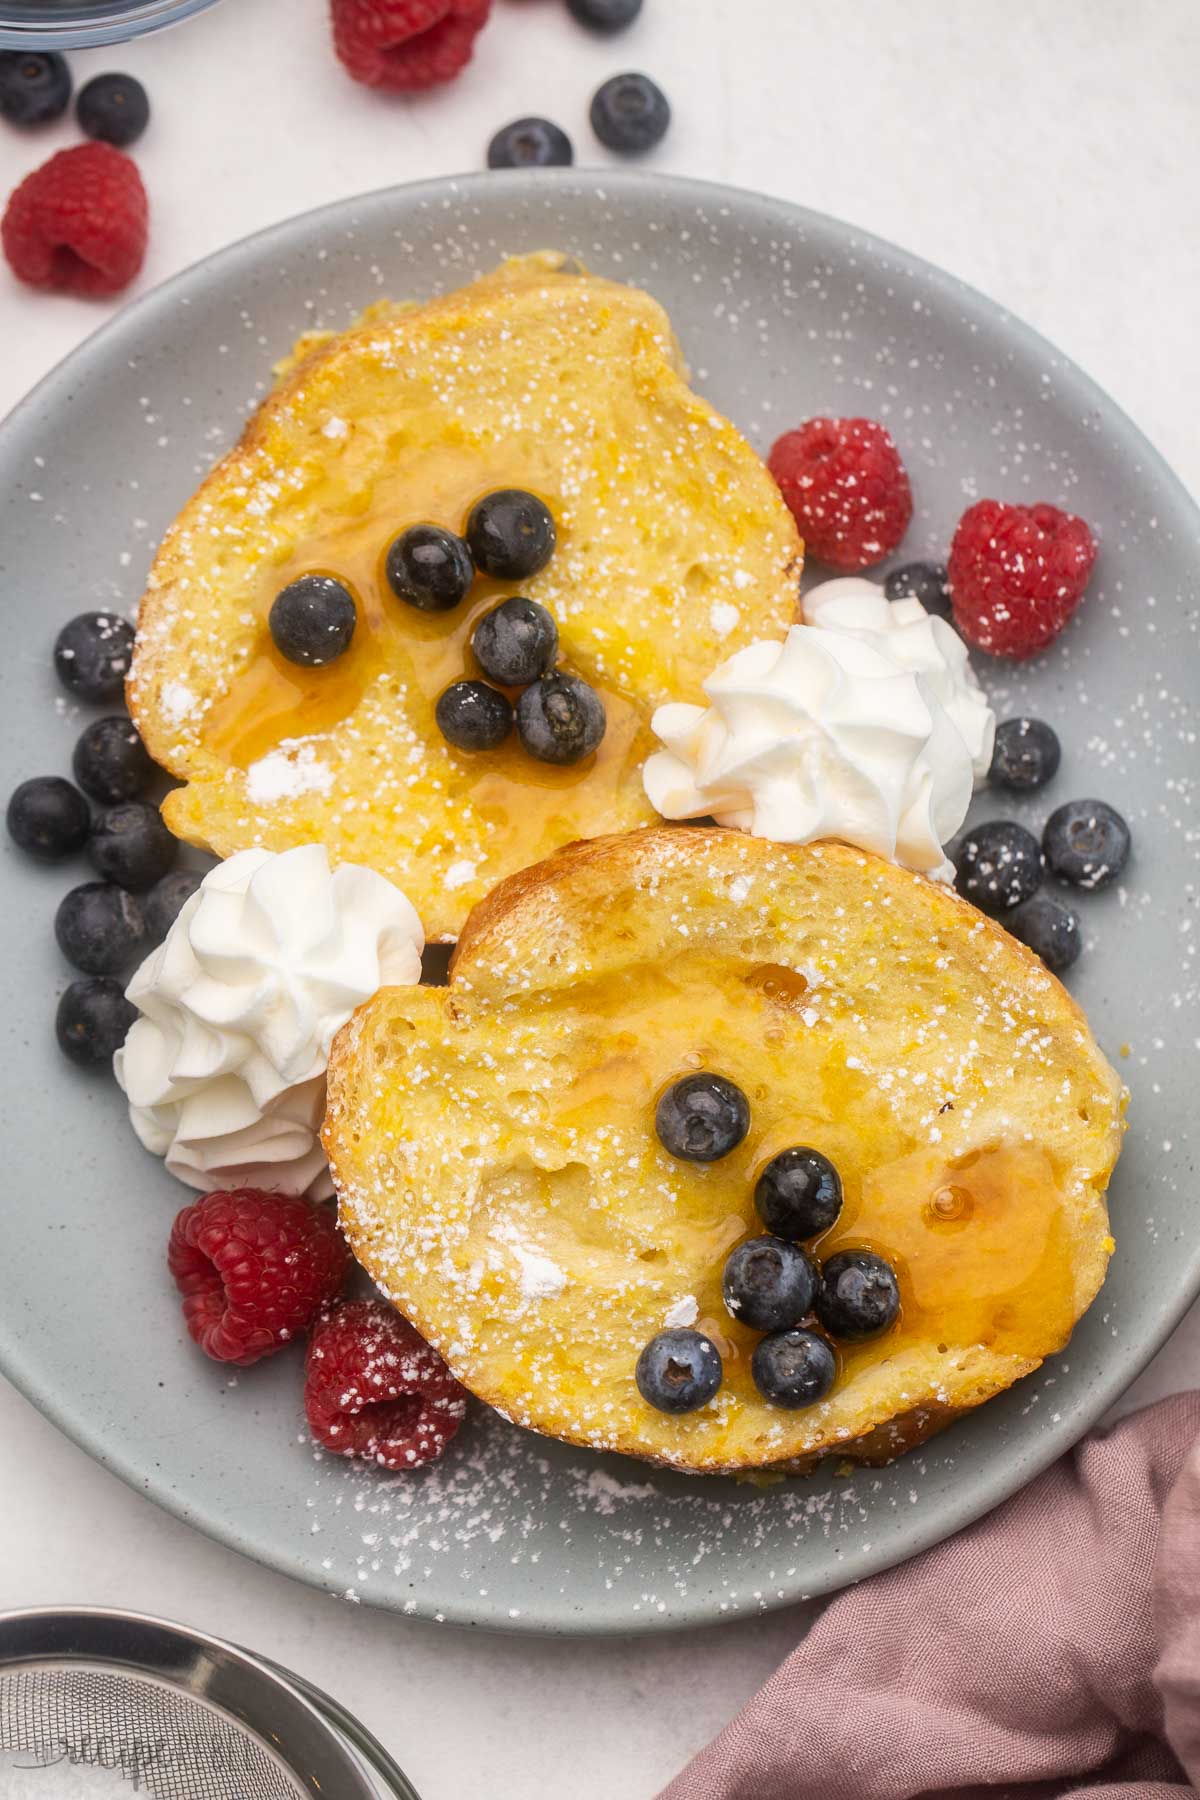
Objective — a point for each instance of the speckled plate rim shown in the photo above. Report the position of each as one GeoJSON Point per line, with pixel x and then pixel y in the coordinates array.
{"type": "Point", "coordinates": [983, 1487]}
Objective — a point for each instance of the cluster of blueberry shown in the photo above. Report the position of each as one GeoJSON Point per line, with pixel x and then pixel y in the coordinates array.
{"type": "Point", "coordinates": [103, 926]}
{"type": "Point", "coordinates": [770, 1283]}
{"type": "Point", "coordinates": [1085, 844]}
{"type": "Point", "coordinates": [629, 113]}
{"type": "Point", "coordinates": [510, 535]}
{"type": "Point", "coordinates": [35, 89]}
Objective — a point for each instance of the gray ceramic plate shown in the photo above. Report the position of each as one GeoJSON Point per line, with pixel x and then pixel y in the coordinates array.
{"type": "Point", "coordinates": [782, 314]}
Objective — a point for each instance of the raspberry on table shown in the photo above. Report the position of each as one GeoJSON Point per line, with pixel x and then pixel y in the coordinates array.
{"type": "Point", "coordinates": [406, 45]}
{"type": "Point", "coordinates": [1017, 574]}
{"type": "Point", "coordinates": [254, 1269]}
{"type": "Point", "coordinates": [79, 224]}
{"type": "Point", "coordinates": [847, 489]}
{"type": "Point", "coordinates": [376, 1390]}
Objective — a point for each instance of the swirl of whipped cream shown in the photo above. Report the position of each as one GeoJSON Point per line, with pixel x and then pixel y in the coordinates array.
{"type": "Point", "coordinates": [867, 724]}
{"type": "Point", "coordinates": [225, 1069]}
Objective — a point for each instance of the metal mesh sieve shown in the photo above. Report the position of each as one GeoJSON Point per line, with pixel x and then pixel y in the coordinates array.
{"type": "Point", "coordinates": [177, 1715]}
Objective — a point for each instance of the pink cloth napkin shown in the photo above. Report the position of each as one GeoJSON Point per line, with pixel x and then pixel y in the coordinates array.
{"type": "Point", "coordinates": [1052, 1650]}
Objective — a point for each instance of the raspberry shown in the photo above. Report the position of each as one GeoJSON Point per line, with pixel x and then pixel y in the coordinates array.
{"type": "Point", "coordinates": [374, 1388]}
{"type": "Point", "coordinates": [406, 44]}
{"type": "Point", "coordinates": [846, 487]}
{"type": "Point", "coordinates": [1017, 573]}
{"type": "Point", "coordinates": [79, 223]}
{"type": "Point", "coordinates": [254, 1270]}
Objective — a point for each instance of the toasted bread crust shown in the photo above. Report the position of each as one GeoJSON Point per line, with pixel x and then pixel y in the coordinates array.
{"type": "Point", "coordinates": [577, 989]}
{"type": "Point", "coordinates": [675, 549]}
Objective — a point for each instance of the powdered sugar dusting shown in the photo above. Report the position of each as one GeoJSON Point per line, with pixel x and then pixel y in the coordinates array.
{"type": "Point", "coordinates": [684, 1312]}
{"type": "Point", "coordinates": [286, 773]}
{"type": "Point", "coordinates": [177, 701]}
{"type": "Point", "coordinates": [541, 1279]}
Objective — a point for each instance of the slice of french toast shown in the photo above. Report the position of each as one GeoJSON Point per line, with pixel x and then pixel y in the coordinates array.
{"type": "Point", "coordinates": [494, 1150]}
{"type": "Point", "coordinates": [674, 549]}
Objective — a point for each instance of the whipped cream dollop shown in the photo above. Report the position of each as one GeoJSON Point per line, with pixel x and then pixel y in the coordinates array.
{"type": "Point", "coordinates": [865, 724]}
{"type": "Point", "coordinates": [225, 1069]}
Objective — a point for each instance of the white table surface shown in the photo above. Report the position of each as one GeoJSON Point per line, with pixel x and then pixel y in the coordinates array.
{"type": "Point", "coordinates": [1046, 150]}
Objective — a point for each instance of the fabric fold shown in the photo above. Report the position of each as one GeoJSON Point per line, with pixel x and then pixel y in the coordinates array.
{"type": "Point", "coordinates": [1051, 1650]}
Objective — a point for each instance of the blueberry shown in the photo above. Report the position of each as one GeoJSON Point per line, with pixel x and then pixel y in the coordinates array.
{"type": "Point", "coordinates": [49, 818]}
{"type": "Point", "coordinates": [111, 762]}
{"type": "Point", "coordinates": [999, 865]}
{"type": "Point", "coordinates": [923, 581]}
{"type": "Point", "coordinates": [530, 144]}
{"type": "Point", "coordinates": [1049, 928]}
{"type": "Point", "coordinates": [35, 86]}
{"type": "Point", "coordinates": [630, 113]}
{"type": "Point", "coordinates": [516, 642]}
{"type": "Point", "coordinates": [798, 1194]}
{"type": "Point", "coordinates": [702, 1118]}
{"type": "Point", "coordinates": [1026, 756]}
{"type": "Point", "coordinates": [1086, 843]}
{"type": "Point", "coordinates": [473, 716]}
{"type": "Point", "coordinates": [679, 1371]}
{"type": "Point", "coordinates": [100, 928]}
{"type": "Point", "coordinates": [769, 1284]}
{"type": "Point", "coordinates": [131, 846]}
{"type": "Point", "coordinates": [858, 1295]}
{"type": "Point", "coordinates": [511, 534]}
{"type": "Point", "coordinates": [430, 568]}
{"type": "Point", "coordinates": [312, 620]}
{"type": "Point", "coordinates": [560, 719]}
{"type": "Point", "coordinates": [794, 1368]}
{"type": "Point", "coordinates": [93, 1020]}
{"type": "Point", "coordinates": [92, 655]}
{"type": "Point", "coordinates": [605, 15]}
{"type": "Point", "coordinates": [165, 901]}
{"type": "Point", "coordinates": [113, 108]}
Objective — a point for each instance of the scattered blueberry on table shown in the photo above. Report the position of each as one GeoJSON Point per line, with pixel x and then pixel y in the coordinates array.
{"type": "Point", "coordinates": [35, 86]}
{"type": "Point", "coordinates": [605, 15]}
{"type": "Point", "coordinates": [630, 114]}
{"type": "Point", "coordinates": [531, 143]}
{"type": "Point", "coordinates": [113, 108]}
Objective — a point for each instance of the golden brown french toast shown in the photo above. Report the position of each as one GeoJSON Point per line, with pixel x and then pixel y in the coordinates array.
{"type": "Point", "coordinates": [674, 549]}
{"type": "Point", "coordinates": [494, 1149]}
